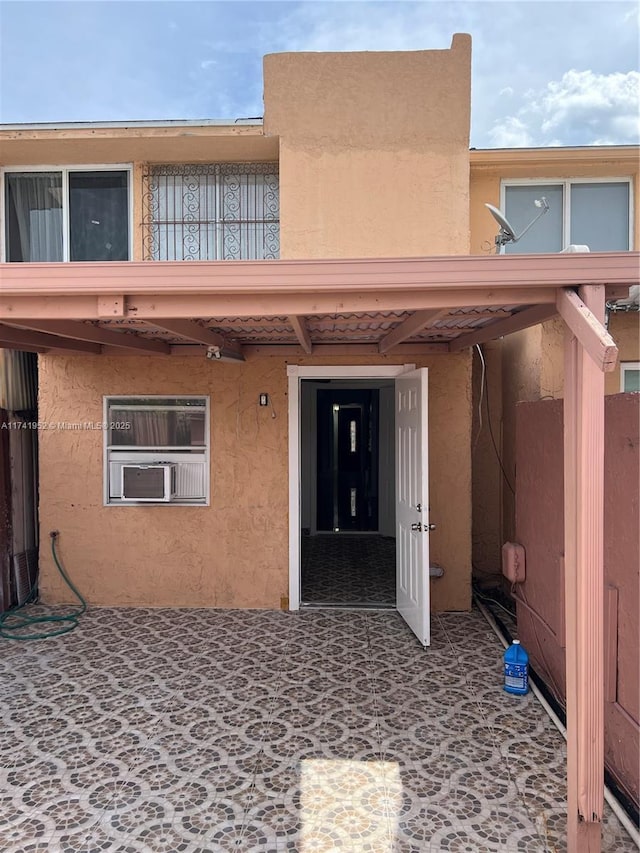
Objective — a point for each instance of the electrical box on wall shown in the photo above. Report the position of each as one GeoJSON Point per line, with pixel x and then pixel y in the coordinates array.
{"type": "Point", "coordinates": [513, 562]}
{"type": "Point", "coordinates": [264, 399]}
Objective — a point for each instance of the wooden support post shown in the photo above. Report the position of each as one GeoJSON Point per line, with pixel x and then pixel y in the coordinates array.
{"type": "Point", "coordinates": [584, 585]}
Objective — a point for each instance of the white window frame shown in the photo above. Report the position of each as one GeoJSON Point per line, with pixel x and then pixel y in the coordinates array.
{"type": "Point", "coordinates": [624, 367]}
{"type": "Point", "coordinates": [566, 184]}
{"type": "Point", "coordinates": [65, 170]}
{"type": "Point", "coordinates": [147, 451]}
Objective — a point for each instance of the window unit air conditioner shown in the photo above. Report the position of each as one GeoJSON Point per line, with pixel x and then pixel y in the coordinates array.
{"type": "Point", "coordinates": [155, 483]}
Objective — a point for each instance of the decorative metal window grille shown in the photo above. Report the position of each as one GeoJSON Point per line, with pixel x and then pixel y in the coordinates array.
{"type": "Point", "coordinates": [222, 211]}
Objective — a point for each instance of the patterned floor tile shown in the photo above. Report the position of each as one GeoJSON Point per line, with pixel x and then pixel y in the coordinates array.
{"type": "Point", "coordinates": [350, 568]}
{"type": "Point", "coordinates": [203, 731]}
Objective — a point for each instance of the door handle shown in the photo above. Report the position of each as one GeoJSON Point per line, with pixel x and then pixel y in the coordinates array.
{"type": "Point", "coordinates": [417, 526]}
{"type": "Point", "coordinates": [430, 527]}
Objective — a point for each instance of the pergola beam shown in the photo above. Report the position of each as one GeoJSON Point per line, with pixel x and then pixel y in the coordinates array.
{"type": "Point", "coordinates": [22, 347]}
{"type": "Point", "coordinates": [13, 337]}
{"type": "Point", "coordinates": [409, 327]}
{"type": "Point", "coordinates": [291, 350]}
{"type": "Point", "coordinates": [195, 332]}
{"type": "Point", "coordinates": [521, 320]}
{"type": "Point", "coordinates": [589, 331]}
{"type": "Point", "coordinates": [15, 308]}
{"type": "Point", "coordinates": [95, 334]}
{"type": "Point", "coordinates": [302, 333]}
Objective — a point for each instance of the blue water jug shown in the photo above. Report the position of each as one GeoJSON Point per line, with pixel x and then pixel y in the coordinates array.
{"type": "Point", "coordinates": [516, 669]}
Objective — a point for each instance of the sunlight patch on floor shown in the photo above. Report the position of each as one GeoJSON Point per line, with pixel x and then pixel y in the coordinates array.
{"type": "Point", "coordinates": [349, 804]}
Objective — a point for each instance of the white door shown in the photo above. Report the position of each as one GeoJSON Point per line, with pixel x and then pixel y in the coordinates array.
{"type": "Point", "coordinates": [412, 503]}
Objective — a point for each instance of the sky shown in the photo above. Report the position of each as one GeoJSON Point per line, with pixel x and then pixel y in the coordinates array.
{"type": "Point", "coordinates": [543, 73]}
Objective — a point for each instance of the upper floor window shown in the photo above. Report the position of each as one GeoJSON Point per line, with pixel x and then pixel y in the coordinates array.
{"type": "Point", "coordinates": [70, 214]}
{"type": "Point", "coordinates": [596, 214]}
{"type": "Point", "coordinates": [204, 212]}
{"type": "Point", "coordinates": [630, 376]}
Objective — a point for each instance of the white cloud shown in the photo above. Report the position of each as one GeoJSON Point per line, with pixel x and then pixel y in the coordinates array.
{"type": "Point", "coordinates": [510, 133]}
{"type": "Point", "coordinates": [356, 26]}
{"type": "Point", "coordinates": [582, 108]}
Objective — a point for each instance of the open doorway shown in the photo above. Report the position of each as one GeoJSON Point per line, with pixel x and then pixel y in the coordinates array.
{"type": "Point", "coordinates": [347, 492]}
{"type": "Point", "coordinates": [403, 510]}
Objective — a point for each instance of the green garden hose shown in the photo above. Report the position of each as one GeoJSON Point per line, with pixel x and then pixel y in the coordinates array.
{"type": "Point", "coordinates": [13, 622]}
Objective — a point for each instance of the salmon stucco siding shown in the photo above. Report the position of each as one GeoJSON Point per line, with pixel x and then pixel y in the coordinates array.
{"type": "Point", "coordinates": [233, 553]}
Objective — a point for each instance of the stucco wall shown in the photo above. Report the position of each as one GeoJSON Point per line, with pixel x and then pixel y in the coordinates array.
{"type": "Point", "coordinates": [521, 373]}
{"type": "Point", "coordinates": [374, 156]}
{"type": "Point", "coordinates": [625, 329]}
{"type": "Point", "coordinates": [233, 553]}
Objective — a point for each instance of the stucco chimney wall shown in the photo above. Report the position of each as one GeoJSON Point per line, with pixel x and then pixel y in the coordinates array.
{"type": "Point", "coordinates": [394, 123]}
{"type": "Point", "coordinates": [370, 99]}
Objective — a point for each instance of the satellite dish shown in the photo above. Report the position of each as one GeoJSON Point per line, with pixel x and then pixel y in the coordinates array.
{"type": "Point", "coordinates": [506, 233]}
{"type": "Point", "coordinates": [503, 222]}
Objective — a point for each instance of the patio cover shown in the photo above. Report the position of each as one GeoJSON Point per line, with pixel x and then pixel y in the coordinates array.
{"type": "Point", "coordinates": [297, 306]}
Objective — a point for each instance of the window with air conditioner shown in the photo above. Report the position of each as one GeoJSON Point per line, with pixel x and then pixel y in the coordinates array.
{"type": "Point", "coordinates": [593, 213]}
{"type": "Point", "coordinates": [156, 450]}
{"type": "Point", "coordinates": [66, 214]}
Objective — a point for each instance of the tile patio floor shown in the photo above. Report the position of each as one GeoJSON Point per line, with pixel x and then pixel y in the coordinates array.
{"type": "Point", "coordinates": [174, 731]}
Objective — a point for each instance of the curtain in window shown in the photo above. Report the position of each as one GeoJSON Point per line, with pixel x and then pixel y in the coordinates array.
{"type": "Point", "coordinates": [211, 212]}
{"type": "Point", "coordinates": [148, 429]}
{"type": "Point", "coordinates": [34, 216]}
{"type": "Point", "coordinates": [160, 428]}
{"type": "Point", "coordinates": [249, 214]}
